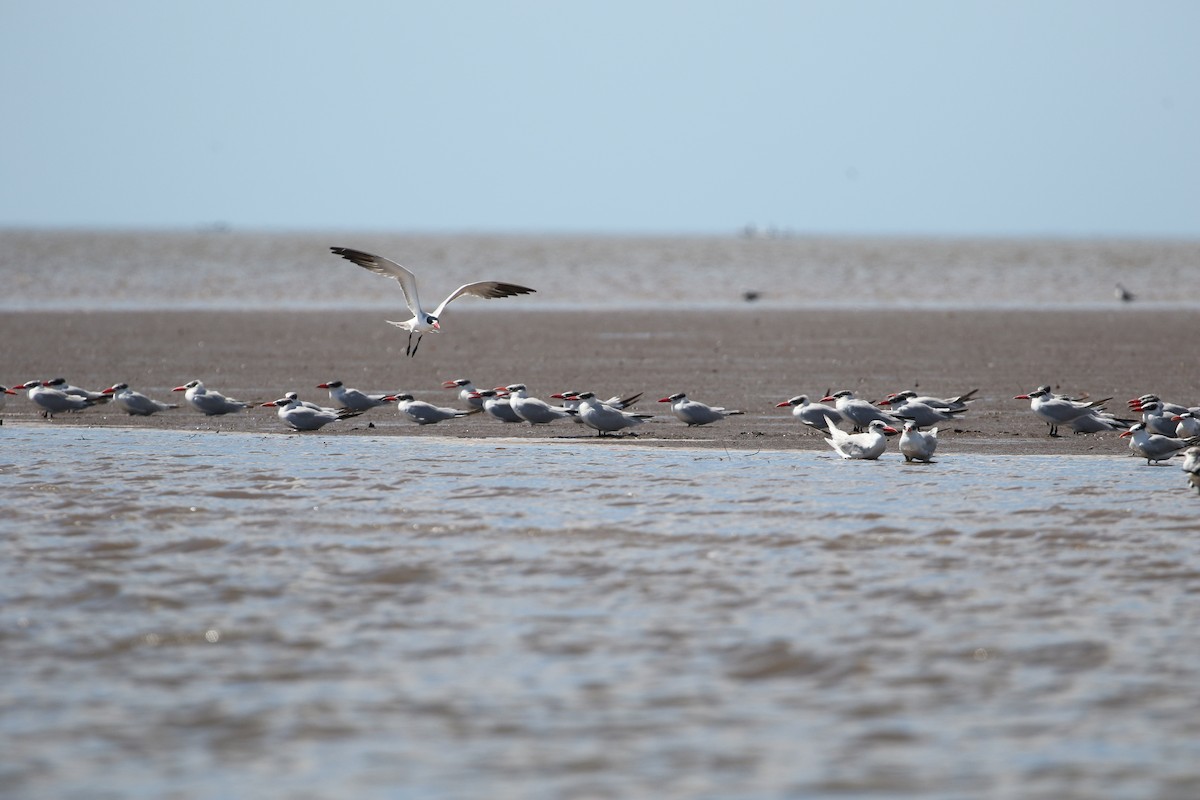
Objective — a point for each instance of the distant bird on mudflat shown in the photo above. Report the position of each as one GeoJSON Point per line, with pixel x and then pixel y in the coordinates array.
{"type": "Point", "coordinates": [53, 401]}
{"type": "Point", "coordinates": [422, 321]}
{"type": "Point", "coordinates": [1123, 294]}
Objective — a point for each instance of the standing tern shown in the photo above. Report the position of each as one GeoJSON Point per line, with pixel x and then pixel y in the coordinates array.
{"type": "Point", "coordinates": [423, 322]}
{"type": "Point", "coordinates": [495, 404]}
{"type": "Point", "coordinates": [210, 403]}
{"type": "Point", "coordinates": [570, 400]}
{"type": "Point", "coordinates": [424, 413]}
{"type": "Point", "coordinates": [135, 404]}
{"type": "Point", "coordinates": [604, 418]}
{"type": "Point", "coordinates": [814, 415]}
{"type": "Point", "coordinates": [1057, 411]}
{"type": "Point", "coordinates": [352, 399]}
{"type": "Point", "coordinates": [915, 445]}
{"type": "Point", "coordinates": [869, 445]}
{"type": "Point", "coordinates": [693, 412]}
{"type": "Point", "coordinates": [53, 401]}
{"type": "Point", "coordinates": [306, 418]}
{"type": "Point", "coordinates": [923, 414]}
{"type": "Point", "coordinates": [1152, 446]}
{"type": "Point", "coordinates": [1156, 420]}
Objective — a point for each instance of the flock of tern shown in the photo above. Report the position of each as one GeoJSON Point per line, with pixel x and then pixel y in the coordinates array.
{"type": "Point", "coordinates": [855, 428]}
{"type": "Point", "coordinates": [1159, 432]}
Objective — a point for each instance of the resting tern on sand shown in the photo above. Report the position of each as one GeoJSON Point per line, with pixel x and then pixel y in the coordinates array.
{"type": "Point", "coordinates": [533, 410]}
{"type": "Point", "coordinates": [814, 415]}
{"type": "Point", "coordinates": [570, 400]}
{"type": "Point", "coordinates": [1187, 424]}
{"type": "Point", "coordinates": [423, 322]}
{"type": "Point", "coordinates": [135, 404]}
{"type": "Point", "coordinates": [424, 413]}
{"type": "Point", "coordinates": [693, 412]}
{"type": "Point", "coordinates": [306, 418]}
{"type": "Point", "coordinates": [53, 401]}
{"type": "Point", "coordinates": [1170, 408]}
{"type": "Point", "coordinates": [466, 392]}
{"type": "Point", "coordinates": [352, 399]}
{"type": "Point", "coordinates": [210, 403]}
{"type": "Point", "coordinates": [495, 404]}
{"type": "Point", "coordinates": [604, 418]}
{"type": "Point", "coordinates": [858, 413]}
{"type": "Point", "coordinates": [945, 403]}
{"type": "Point", "coordinates": [61, 385]}
{"type": "Point", "coordinates": [915, 445]}
{"type": "Point", "coordinates": [1156, 420]}
{"type": "Point", "coordinates": [869, 445]}
{"type": "Point", "coordinates": [1152, 446]}
{"type": "Point", "coordinates": [1057, 411]}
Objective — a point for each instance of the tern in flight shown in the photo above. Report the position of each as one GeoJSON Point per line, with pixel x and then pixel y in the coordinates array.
{"type": "Point", "coordinates": [422, 321]}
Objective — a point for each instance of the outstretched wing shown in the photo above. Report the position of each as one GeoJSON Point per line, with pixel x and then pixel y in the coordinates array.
{"type": "Point", "coordinates": [383, 266]}
{"type": "Point", "coordinates": [486, 289]}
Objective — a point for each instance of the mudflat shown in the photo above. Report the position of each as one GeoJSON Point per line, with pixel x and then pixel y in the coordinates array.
{"type": "Point", "coordinates": [749, 358]}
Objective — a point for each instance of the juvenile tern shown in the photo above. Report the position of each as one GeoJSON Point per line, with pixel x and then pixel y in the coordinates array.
{"type": "Point", "coordinates": [423, 322]}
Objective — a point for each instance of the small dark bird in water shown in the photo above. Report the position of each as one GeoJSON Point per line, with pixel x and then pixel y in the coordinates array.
{"type": "Point", "coordinates": [750, 295]}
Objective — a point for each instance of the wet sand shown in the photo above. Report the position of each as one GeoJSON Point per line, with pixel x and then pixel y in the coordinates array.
{"type": "Point", "coordinates": [748, 358]}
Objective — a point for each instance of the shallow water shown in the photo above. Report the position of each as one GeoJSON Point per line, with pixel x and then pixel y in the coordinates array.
{"type": "Point", "coordinates": [216, 615]}
{"type": "Point", "coordinates": [154, 270]}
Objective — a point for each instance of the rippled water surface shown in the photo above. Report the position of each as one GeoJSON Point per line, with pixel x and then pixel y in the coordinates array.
{"type": "Point", "coordinates": [233, 615]}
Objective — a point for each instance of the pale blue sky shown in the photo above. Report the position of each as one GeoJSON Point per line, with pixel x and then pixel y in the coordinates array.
{"type": "Point", "coordinates": [949, 118]}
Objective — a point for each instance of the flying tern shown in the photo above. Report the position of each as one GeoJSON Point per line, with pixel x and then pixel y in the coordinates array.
{"type": "Point", "coordinates": [422, 321]}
